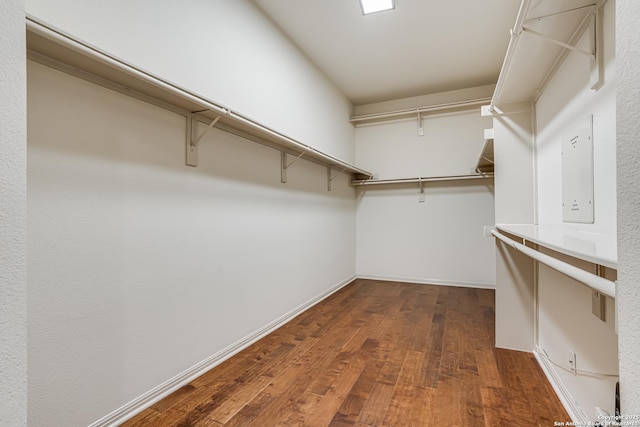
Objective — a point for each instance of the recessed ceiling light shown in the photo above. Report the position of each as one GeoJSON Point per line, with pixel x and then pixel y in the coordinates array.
{"type": "Point", "coordinates": [372, 6]}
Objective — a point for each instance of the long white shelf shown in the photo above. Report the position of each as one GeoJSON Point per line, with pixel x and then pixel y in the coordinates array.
{"type": "Point", "coordinates": [450, 107]}
{"type": "Point", "coordinates": [55, 49]}
{"type": "Point", "coordinates": [597, 248]}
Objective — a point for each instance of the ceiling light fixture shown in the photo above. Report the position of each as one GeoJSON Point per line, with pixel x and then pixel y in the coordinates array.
{"type": "Point", "coordinates": [373, 6]}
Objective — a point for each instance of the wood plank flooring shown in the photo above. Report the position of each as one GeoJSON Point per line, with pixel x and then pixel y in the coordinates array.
{"type": "Point", "coordinates": [373, 354]}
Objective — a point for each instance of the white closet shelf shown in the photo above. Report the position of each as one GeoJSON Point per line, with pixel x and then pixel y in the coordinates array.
{"type": "Point", "coordinates": [55, 49]}
{"type": "Point", "coordinates": [420, 112]}
{"type": "Point", "coordinates": [596, 248]}
{"type": "Point", "coordinates": [420, 180]}
{"type": "Point", "coordinates": [542, 37]}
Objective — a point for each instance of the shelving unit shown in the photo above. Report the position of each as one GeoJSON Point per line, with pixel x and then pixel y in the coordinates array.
{"type": "Point", "coordinates": [55, 49]}
{"type": "Point", "coordinates": [596, 248]}
{"type": "Point", "coordinates": [542, 37]}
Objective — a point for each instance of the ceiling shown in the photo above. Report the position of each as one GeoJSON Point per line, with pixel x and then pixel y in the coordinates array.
{"type": "Point", "coordinates": [421, 47]}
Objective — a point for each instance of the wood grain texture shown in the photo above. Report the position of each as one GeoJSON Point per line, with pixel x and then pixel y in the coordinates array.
{"type": "Point", "coordinates": [373, 354]}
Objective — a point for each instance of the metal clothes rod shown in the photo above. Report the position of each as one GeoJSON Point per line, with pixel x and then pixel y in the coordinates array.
{"type": "Point", "coordinates": [35, 27]}
{"type": "Point", "coordinates": [306, 149]}
{"type": "Point", "coordinates": [595, 282]}
{"type": "Point", "coordinates": [513, 42]}
{"type": "Point", "coordinates": [170, 93]}
{"type": "Point", "coordinates": [360, 182]}
{"type": "Point", "coordinates": [420, 110]}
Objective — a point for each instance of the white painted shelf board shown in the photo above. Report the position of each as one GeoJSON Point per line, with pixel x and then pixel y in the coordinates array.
{"type": "Point", "coordinates": [597, 248]}
{"type": "Point", "coordinates": [53, 48]}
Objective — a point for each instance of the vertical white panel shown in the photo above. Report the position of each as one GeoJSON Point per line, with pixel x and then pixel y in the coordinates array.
{"type": "Point", "coordinates": [514, 299]}
{"type": "Point", "coordinates": [513, 156]}
{"type": "Point", "coordinates": [514, 187]}
{"type": "Point", "coordinates": [577, 173]}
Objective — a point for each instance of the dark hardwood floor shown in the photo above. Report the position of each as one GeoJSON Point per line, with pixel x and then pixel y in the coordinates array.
{"type": "Point", "coordinates": [372, 354]}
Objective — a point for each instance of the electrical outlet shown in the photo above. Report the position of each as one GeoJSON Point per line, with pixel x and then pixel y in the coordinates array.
{"type": "Point", "coordinates": [573, 362]}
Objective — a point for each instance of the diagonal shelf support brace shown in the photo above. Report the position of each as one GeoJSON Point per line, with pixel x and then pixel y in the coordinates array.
{"type": "Point", "coordinates": [193, 138]}
{"type": "Point", "coordinates": [284, 165]}
{"type": "Point", "coordinates": [331, 178]}
{"type": "Point", "coordinates": [556, 41]}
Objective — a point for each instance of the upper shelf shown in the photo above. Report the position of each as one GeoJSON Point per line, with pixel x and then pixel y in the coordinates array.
{"type": "Point", "coordinates": [592, 247]}
{"type": "Point", "coordinates": [420, 112]}
{"type": "Point", "coordinates": [421, 180]}
{"type": "Point", "coordinates": [55, 49]}
{"type": "Point", "coordinates": [543, 35]}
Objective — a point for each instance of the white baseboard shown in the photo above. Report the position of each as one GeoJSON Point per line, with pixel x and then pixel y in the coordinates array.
{"type": "Point", "coordinates": [578, 416]}
{"type": "Point", "coordinates": [141, 403]}
{"type": "Point", "coordinates": [439, 282]}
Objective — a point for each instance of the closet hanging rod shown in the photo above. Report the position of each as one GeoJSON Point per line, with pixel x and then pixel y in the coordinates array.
{"type": "Point", "coordinates": [56, 49]}
{"type": "Point", "coordinates": [59, 38]}
{"type": "Point", "coordinates": [420, 110]}
{"type": "Point", "coordinates": [360, 182]}
{"type": "Point", "coordinates": [593, 281]}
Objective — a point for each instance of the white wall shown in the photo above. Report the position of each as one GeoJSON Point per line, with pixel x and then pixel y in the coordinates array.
{"type": "Point", "coordinates": [13, 205]}
{"type": "Point", "coordinates": [442, 239]}
{"type": "Point", "coordinates": [565, 318]}
{"type": "Point", "coordinates": [133, 255]}
{"type": "Point", "coordinates": [226, 51]}
{"type": "Point", "coordinates": [628, 155]}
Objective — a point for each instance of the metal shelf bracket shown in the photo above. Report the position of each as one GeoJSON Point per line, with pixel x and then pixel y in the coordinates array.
{"type": "Point", "coordinates": [331, 178]}
{"type": "Point", "coordinates": [556, 41]}
{"type": "Point", "coordinates": [285, 165]}
{"type": "Point", "coordinates": [420, 124]}
{"type": "Point", "coordinates": [193, 138]}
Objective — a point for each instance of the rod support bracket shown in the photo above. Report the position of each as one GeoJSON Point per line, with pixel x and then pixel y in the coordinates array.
{"type": "Point", "coordinates": [331, 178]}
{"type": "Point", "coordinates": [284, 165]}
{"type": "Point", "coordinates": [193, 138]}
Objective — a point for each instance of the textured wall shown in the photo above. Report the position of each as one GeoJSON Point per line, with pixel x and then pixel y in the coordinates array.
{"type": "Point", "coordinates": [13, 196]}
{"type": "Point", "coordinates": [628, 129]}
